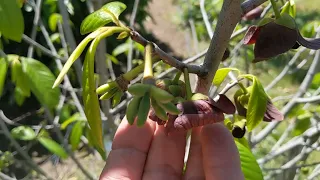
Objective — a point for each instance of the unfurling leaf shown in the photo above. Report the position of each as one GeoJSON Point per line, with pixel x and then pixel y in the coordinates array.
{"type": "Point", "coordinates": [257, 104]}
{"type": "Point", "coordinates": [221, 74]}
{"type": "Point", "coordinates": [53, 147]}
{"type": "Point", "coordinates": [24, 133]}
{"type": "Point", "coordinates": [76, 134]}
{"type": "Point", "coordinates": [3, 73]}
{"type": "Point", "coordinates": [108, 13]}
{"type": "Point", "coordinates": [53, 21]}
{"type": "Point", "coordinates": [11, 20]}
{"type": "Point", "coordinates": [90, 98]}
{"type": "Point", "coordinates": [40, 80]}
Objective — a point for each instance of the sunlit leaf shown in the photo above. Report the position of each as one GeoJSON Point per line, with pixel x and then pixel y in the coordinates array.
{"type": "Point", "coordinates": [53, 20]}
{"type": "Point", "coordinates": [76, 134]}
{"type": "Point", "coordinates": [18, 96]}
{"type": "Point", "coordinates": [249, 165]}
{"type": "Point", "coordinates": [122, 48]}
{"type": "Point", "coordinates": [303, 123]}
{"type": "Point", "coordinates": [53, 147]}
{"type": "Point", "coordinates": [40, 80]}
{"type": "Point", "coordinates": [90, 98]}
{"type": "Point", "coordinates": [3, 73]}
{"type": "Point", "coordinates": [24, 133]}
{"type": "Point", "coordinates": [72, 119]}
{"type": "Point", "coordinates": [11, 20]}
{"type": "Point", "coordinates": [20, 78]}
{"type": "Point", "coordinates": [221, 74]}
{"type": "Point", "coordinates": [257, 104]}
{"type": "Point", "coordinates": [108, 13]}
{"type": "Point", "coordinates": [112, 58]}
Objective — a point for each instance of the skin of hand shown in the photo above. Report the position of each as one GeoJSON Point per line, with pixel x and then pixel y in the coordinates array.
{"type": "Point", "coordinates": [148, 153]}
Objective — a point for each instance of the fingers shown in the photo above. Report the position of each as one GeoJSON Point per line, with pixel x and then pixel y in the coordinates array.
{"type": "Point", "coordinates": [220, 155]}
{"type": "Point", "coordinates": [194, 169]}
{"type": "Point", "coordinates": [165, 158]}
{"type": "Point", "coordinates": [129, 151]}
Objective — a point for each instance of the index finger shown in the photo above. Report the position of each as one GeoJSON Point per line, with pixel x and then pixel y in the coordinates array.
{"type": "Point", "coordinates": [129, 151]}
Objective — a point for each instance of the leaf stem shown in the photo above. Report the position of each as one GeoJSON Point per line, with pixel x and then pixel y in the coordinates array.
{"type": "Point", "coordinates": [133, 73]}
{"type": "Point", "coordinates": [177, 77]}
{"type": "Point", "coordinates": [187, 82]}
{"type": "Point", "coordinates": [148, 70]}
{"type": "Point", "coordinates": [275, 9]}
{"type": "Point", "coordinates": [244, 89]}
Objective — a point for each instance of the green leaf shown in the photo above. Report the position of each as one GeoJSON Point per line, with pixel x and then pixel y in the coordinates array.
{"type": "Point", "coordinates": [122, 48]}
{"type": "Point", "coordinates": [20, 78]}
{"type": "Point", "coordinates": [315, 84]}
{"type": "Point", "coordinates": [221, 74]}
{"type": "Point", "coordinates": [53, 21]}
{"type": "Point", "coordinates": [76, 53]}
{"type": "Point", "coordinates": [53, 147]}
{"type": "Point", "coordinates": [289, 8]}
{"type": "Point", "coordinates": [18, 96]}
{"type": "Point", "coordinates": [24, 133]}
{"type": "Point", "coordinates": [3, 73]}
{"type": "Point", "coordinates": [108, 13]}
{"type": "Point", "coordinates": [257, 104]}
{"type": "Point", "coordinates": [243, 141]}
{"type": "Point", "coordinates": [11, 20]}
{"type": "Point", "coordinates": [287, 21]}
{"type": "Point", "coordinates": [76, 134]}
{"type": "Point", "coordinates": [112, 58]}
{"type": "Point", "coordinates": [72, 119]}
{"type": "Point", "coordinates": [90, 98]}
{"type": "Point", "coordinates": [303, 123]}
{"type": "Point", "coordinates": [40, 80]}
{"type": "Point", "coordinates": [249, 165]}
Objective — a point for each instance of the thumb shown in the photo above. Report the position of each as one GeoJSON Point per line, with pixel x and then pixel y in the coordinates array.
{"type": "Point", "coordinates": [221, 159]}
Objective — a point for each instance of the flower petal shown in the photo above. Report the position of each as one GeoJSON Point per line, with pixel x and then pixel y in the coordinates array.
{"type": "Point", "coordinates": [273, 39]}
{"type": "Point", "coordinates": [309, 42]}
{"type": "Point", "coordinates": [272, 113]}
{"type": "Point", "coordinates": [224, 104]}
{"type": "Point", "coordinates": [251, 35]}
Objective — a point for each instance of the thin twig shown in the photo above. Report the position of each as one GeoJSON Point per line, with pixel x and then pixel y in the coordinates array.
{"type": "Point", "coordinates": [42, 48]}
{"type": "Point", "coordinates": [205, 18]}
{"type": "Point", "coordinates": [132, 21]}
{"type": "Point", "coordinates": [35, 26]}
{"type": "Point", "coordinates": [16, 145]}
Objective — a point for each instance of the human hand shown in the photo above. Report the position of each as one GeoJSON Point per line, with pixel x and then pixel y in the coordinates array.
{"type": "Point", "coordinates": [148, 153]}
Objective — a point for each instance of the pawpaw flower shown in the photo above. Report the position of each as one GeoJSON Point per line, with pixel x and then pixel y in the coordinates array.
{"type": "Point", "coordinates": [199, 111]}
{"type": "Point", "coordinates": [276, 36]}
{"type": "Point", "coordinates": [271, 114]}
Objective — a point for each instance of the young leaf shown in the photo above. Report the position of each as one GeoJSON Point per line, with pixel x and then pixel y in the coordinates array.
{"type": "Point", "coordinates": [122, 48]}
{"type": "Point", "coordinates": [76, 53]}
{"type": "Point", "coordinates": [257, 104]}
{"type": "Point", "coordinates": [108, 13]}
{"type": "Point", "coordinates": [11, 20]}
{"type": "Point", "coordinates": [40, 80]}
{"type": "Point", "coordinates": [221, 74]}
{"type": "Point", "coordinates": [24, 133]}
{"type": "Point", "coordinates": [76, 134]}
{"type": "Point", "coordinates": [3, 73]}
{"type": "Point", "coordinates": [18, 96]}
{"type": "Point", "coordinates": [19, 78]}
{"type": "Point", "coordinates": [303, 123]}
{"type": "Point", "coordinates": [53, 20]}
{"type": "Point", "coordinates": [73, 118]}
{"type": "Point", "coordinates": [90, 98]}
{"type": "Point", "coordinates": [53, 147]}
{"type": "Point", "coordinates": [249, 165]}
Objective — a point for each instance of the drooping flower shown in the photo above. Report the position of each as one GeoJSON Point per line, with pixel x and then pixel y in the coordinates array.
{"type": "Point", "coordinates": [276, 36]}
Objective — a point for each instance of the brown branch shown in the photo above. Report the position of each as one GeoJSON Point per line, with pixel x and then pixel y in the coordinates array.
{"type": "Point", "coordinates": [195, 69]}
